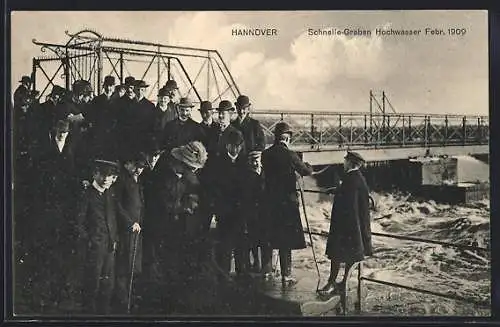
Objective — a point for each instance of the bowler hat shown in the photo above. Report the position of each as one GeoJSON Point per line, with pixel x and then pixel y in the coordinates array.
{"type": "Point", "coordinates": [106, 167]}
{"type": "Point", "coordinates": [25, 79]}
{"type": "Point", "coordinates": [58, 90]}
{"type": "Point", "coordinates": [206, 106]}
{"type": "Point", "coordinates": [185, 102]}
{"type": "Point", "coordinates": [225, 105]}
{"type": "Point", "coordinates": [62, 126]}
{"type": "Point", "coordinates": [109, 80]}
{"type": "Point", "coordinates": [139, 159]}
{"type": "Point", "coordinates": [141, 84]}
{"type": "Point", "coordinates": [163, 92]}
{"type": "Point", "coordinates": [282, 128]}
{"type": "Point", "coordinates": [192, 154]}
{"type": "Point", "coordinates": [242, 101]}
{"type": "Point", "coordinates": [129, 81]}
{"type": "Point", "coordinates": [354, 157]}
{"type": "Point", "coordinates": [171, 85]}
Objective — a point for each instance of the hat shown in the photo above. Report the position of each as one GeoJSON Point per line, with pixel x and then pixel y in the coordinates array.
{"type": "Point", "coordinates": [185, 102]}
{"type": "Point", "coordinates": [58, 90]}
{"type": "Point", "coordinates": [171, 85]}
{"type": "Point", "coordinates": [121, 87]}
{"type": "Point", "coordinates": [25, 79]}
{"type": "Point", "coordinates": [242, 101]}
{"type": "Point", "coordinates": [139, 159]}
{"type": "Point", "coordinates": [81, 87]}
{"type": "Point", "coordinates": [225, 105]}
{"type": "Point", "coordinates": [109, 80]}
{"type": "Point", "coordinates": [354, 157]}
{"type": "Point", "coordinates": [130, 80]}
{"type": "Point", "coordinates": [234, 137]}
{"type": "Point", "coordinates": [163, 92]}
{"type": "Point", "coordinates": [140, 84]}
{"type": "Point", "coordinates": [254, 155]}
{"type": "Point", "coordinates": [206, 106]}
{"type": "Point", "coordinates": [106, 167]}
{"type": "Point", "coordinates": [282, 128]}
{"type": "Point", "coordinates": [62, 125]}
{"type": "Point", "coordinates": [192, 154]}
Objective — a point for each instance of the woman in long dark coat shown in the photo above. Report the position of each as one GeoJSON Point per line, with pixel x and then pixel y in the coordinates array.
{"type": "Point", "coordinates": [280, 166]}
{"type": "Point", "coordinates": [349, 240]}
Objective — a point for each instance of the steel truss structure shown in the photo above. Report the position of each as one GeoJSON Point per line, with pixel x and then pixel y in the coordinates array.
{"type": "Point", "coordinates": [90, 56]}
{"type": "Point", "coordinates": [322, 130]}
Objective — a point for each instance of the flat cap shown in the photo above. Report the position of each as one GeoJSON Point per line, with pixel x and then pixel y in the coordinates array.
{"type": "Point", "coordinates": [107, 167]}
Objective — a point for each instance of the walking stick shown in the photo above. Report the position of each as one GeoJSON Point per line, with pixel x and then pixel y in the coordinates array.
{"type": "Point", "coordinates": [132, 272]}
{"type": "Point", "coordinates": [301, 189]}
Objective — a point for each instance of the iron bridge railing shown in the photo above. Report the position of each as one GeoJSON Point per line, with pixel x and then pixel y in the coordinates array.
{"type": "Point", "coordinates": [320, 130]}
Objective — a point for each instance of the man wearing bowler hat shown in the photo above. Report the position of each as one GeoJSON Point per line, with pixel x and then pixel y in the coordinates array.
{"type": "Point", "coordinates": [255, 141]}
{"type": "Point", "coordinates": [140, 91]}
{"type": "Point", "coordinates": [349, 239]}
{"type": "Point", "coordinates": [22, 94]}
{"type": "Point", "coordinates": [281, 165]}
{"type": "Point", "coordinates": [183, 129]}
{"type": "Point", "coordinates": [130, 200]}
{"type": "Point", "coordinates": [97, 227]}
{"type": "Point", "coordinates": [164, 112]}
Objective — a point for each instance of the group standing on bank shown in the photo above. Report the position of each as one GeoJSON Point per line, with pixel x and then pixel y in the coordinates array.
{"type": "Point", "coordinates": [116, 195]}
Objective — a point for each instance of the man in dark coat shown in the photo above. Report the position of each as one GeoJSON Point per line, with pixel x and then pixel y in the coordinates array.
{"type": "Point", "coordinates": [130, 196]}
{"type": "Point", "coordinates": [49, 228]}
{"type": "Point", "coordinates": [46, 113]}
{"type": "Point", "coordinates": [164, 112]}
{"type": "Point", "coordinates": [281, 164]}
{"type": "Point", "coordinates": [22, 93]}
{"type": "Point", "coordinates": [349, 240]}
{"type": "Point", "coordinates": [97, 228]}
{"type": "Point", "coordinates": [102, 119]}
{"type": "Point", "coordinates": [255, 141]}
{"type": "Point", "coordinates": [182, 130]}
{"type": "Point", "coordinates": [227, 187]}
{"type": "Point", "coordinates": [207, 122]}
{"type": "Point", "coordinates": [215, 142]}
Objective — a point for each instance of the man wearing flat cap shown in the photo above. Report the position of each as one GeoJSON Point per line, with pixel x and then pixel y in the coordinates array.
{"type": "Point", "coordinates": [97, 226]}
{"type": "Point", "coordinates": [255, 141]}
{"type": "Point", "coordinates": [349, 239]}
{"type": "Point", "coordinates": [183, 129]}
{"type": "Point", "coordinates": [281, 165]}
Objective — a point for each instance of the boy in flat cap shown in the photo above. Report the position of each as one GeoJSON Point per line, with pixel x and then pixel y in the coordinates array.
{"type": "Point", "coordinates": [349, 239]}
{"type": "Point", "coordinates": [97, 228]}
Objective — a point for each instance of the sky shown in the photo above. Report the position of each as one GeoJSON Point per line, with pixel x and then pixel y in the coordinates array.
{"type": "Point", "coordinates": [296, 71]}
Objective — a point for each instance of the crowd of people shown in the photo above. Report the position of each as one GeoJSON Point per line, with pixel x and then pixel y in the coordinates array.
{"type": "Point", "coordinates": [113, 192]}
{"type": "Point", "coordinates": [116, 198]}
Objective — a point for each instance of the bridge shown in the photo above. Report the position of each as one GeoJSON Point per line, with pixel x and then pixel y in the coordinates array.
{"type": "Point", "coordinates": [322, 137]}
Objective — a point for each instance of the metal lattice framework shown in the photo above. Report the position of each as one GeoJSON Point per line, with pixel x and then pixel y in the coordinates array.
{"type": "Point", "coordinates": [200, 74]}
{"type": "Point", "coordinates": [321, 130]}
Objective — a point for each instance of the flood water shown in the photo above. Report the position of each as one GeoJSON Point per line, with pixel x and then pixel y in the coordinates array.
{"type": "Point", "coordinates": [421, 265]}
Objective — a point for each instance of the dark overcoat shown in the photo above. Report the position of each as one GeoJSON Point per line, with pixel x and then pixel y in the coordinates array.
{"type": "Point", "coordinates": [130, 205]}
{"type": "Point", "coordinates": [253, 133]}
{"type": "Point", "coordinates": [280, 165]}
{"type": "Point", "coordinates": [177, 133]}
{"type": "Point", "coordinates": [253, 210]}
{"type": "Point", "coordinates": [349, 239]}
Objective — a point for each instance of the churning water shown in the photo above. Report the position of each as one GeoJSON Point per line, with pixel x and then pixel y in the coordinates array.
{"type": "Point", "coordinates": [437, 268]}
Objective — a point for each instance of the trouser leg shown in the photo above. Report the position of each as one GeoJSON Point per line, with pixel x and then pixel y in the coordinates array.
{"type": "Point", "coordinates": [267, 258]}
{"type": "Point", "coordinates": [286, 261]}
{"type": "Point", "coordinates": [242, 257]}
{"type": "Point", "coordinates": [107, 282]}
{"type": "Point", "coordinates": [92, 279]}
